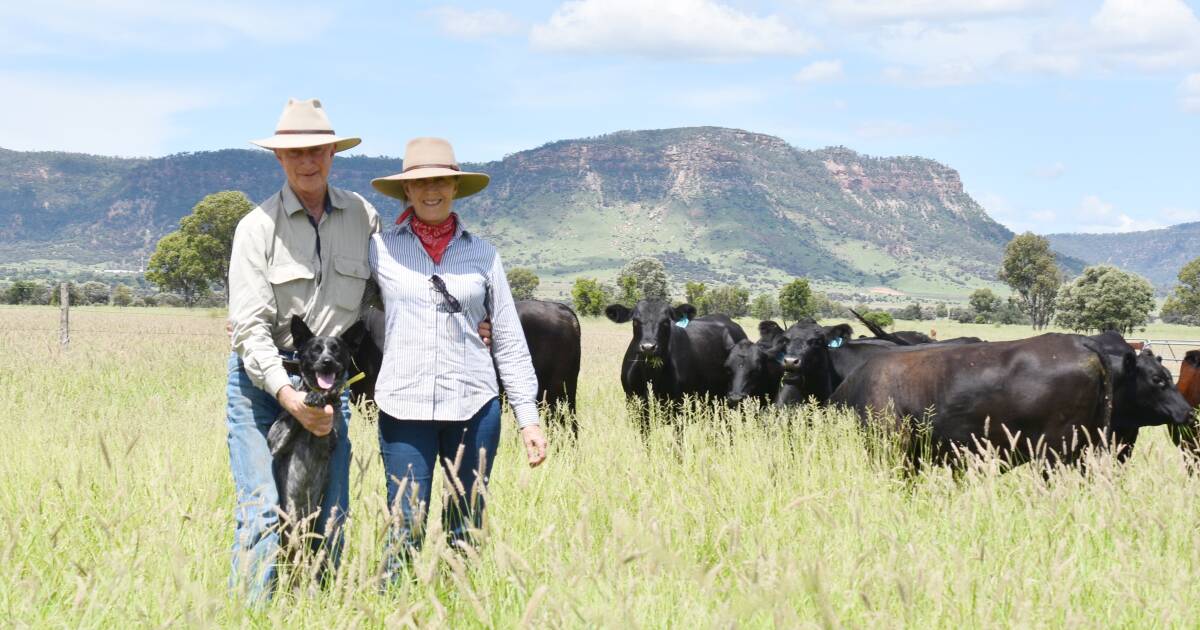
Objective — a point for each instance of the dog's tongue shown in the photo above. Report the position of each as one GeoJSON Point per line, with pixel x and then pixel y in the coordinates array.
{"type": "Point", "coordinates": [325, 380]}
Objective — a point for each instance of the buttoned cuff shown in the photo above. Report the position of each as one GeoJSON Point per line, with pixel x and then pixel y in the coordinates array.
{"type": "Point", "coordinates": [527, 415]}
{"type": "Point", "coordinates": [275, 379]}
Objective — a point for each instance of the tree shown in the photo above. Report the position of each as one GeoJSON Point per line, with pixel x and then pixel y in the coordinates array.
{"type": "Point", "coordinates": [522, 281]}
{"type": "Point", "coordinates": [217, 216]}
{"type": "Point", "coordinates": [730, 299]}
{"type": "Point", "coordinates": [694, 292]}
{"type": "Point", "coordinates": [186, 264]}
{"type": "Point", "coordinates": [940, 311]}
{"type": "Point", "coordinates": [883, 319]}
{"type": "Point", "coordinates": [25, 292]}
{"type": "Point", "coordinates": [984, 302]}
{"type": "Point", "coordinates": [795, 300]}
{"type": "Point", "coordinates": [911, 312]}
{"type": "Point", "coordinates": [627, 290]}
{"type": "Point", "coordinates": [122, 295]}
{"type": "Point", "coordinates": [1105, 298]}
{"type": "Point", "coordinates": [1183, 305]}
{"type": "Point", "coordinates": [764, 307]}
{"type": "Point", "coordinates": [588, 297]}
{"type": "Point", "coordinates": [54, 294]}
{"type": "Point", "coordinates": [650, 278]}
{"type": "Point", "coordinates": [823, 306]}
{"type": "Point", "coordinates": [94, 292]}
{"type": "Point", "coordinates": [1029, 268]}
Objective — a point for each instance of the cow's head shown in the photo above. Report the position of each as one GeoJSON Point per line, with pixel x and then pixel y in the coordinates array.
{"type": "Point", "coordinates": [652, 322]}
{"type": "Point", "coordinates": [1155, 399]}
{"type": "Point", "coordinates": [754, 368]}
{"type": "Point", "coordinates": [810, 345]}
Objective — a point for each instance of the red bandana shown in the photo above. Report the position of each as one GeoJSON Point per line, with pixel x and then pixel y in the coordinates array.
{"type": "Point", "coordinates": [434, 238]}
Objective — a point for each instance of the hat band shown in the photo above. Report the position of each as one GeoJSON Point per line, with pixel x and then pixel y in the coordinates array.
{"type": "Point", "coordinates": [453, 167]}
{"type": "Point", "coordinates": [303, 132]}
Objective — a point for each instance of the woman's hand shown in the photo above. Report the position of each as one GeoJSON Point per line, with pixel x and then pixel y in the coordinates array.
{"type": "Point", "coordinates": [485, 332]}
{"type": "Point", "coordinates": [535, 444]}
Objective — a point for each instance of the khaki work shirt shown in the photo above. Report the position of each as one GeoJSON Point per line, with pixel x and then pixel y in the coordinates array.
{"type": "Point", "coordinates": [276, 271]}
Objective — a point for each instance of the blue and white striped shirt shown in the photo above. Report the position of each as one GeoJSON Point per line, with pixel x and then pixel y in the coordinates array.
{"type": "Point", "coordinates": [435, 366]}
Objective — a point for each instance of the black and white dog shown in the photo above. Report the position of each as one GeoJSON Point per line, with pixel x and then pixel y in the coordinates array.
{"type": "Point", "coordinates": [301, 459]}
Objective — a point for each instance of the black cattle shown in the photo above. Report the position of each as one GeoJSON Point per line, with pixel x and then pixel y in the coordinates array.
{"type": "Point", "coordinates": [674, 360]}
{"type": "Point", "coordinates": [908, 337]}
{"type": "Point", "coordinates": [1049, 395]}
{"type": "Point", "coordinates": [552, 334]}
{"type": "Point", "coordinates": [1143, 392]}
{"type": "Point", "coordinates": [817, 358]}
{"type": "Point", "coordinates": [368, 359]}
{"type": "Point", "coordinates": [755, 369]}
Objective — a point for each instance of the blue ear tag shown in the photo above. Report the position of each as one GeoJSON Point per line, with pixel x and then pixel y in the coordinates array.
{"type": "Point", "coordinates": [682, 323]}
{"type": "Point", "coordinates": [837, 343]}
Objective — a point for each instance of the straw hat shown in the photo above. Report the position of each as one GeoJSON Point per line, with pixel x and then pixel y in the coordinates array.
{"type": "Point", "coordinates": [430, 157]}
{"type": "Point", "coordinates": [304, 124]}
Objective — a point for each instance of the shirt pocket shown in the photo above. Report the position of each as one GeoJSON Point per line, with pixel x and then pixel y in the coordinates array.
{"type": "Point", "coordinates": [352, 273]}
{"type": "Point", "coordinates": [290, 281]}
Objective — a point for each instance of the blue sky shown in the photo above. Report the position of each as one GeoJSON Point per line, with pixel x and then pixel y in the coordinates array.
{"type": "Point", "coordinates": [1060, 116]}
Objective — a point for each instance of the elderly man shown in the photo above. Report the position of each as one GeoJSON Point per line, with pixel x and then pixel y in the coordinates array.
{"type": "Point", "coordinates": [302, 251]}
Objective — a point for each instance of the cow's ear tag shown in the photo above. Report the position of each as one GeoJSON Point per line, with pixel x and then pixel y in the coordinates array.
{"type": "Point", "coordinates": [837, 343]}
{"type": "Point", "coordinates": [683, 322]}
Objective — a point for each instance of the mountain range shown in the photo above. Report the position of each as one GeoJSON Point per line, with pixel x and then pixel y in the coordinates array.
{"type": "Point", "coordinates": [714, 204]}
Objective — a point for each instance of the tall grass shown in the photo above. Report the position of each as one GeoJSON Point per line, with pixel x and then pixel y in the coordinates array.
{"type": "Point", "coordinates": [116, 506]}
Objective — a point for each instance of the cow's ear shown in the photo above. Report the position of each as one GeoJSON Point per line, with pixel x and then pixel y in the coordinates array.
{"type": "Point", "coordinates": [618, 313]}
{"type": "Point", "coordinates": [842, 332]}
{"type": "Point", "coordinates": [778, 345]}
{"type": "Point", "coordinates": [729, 342]}
{"type": "Point", "coordinates": [301, 333]}
{"type": "Point", "coordinates": [769, 328]}
{"type": "Point", "coordinates": [683, 311]}
{"type": "Point", "coordinates": [353, 335]}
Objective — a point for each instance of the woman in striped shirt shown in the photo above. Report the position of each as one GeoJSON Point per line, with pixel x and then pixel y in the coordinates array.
{"type": "Point", "coordinates": [438, 392]}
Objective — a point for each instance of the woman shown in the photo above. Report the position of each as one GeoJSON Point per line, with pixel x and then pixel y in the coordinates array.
{"type": "Point", "coordinates": [437, 391]}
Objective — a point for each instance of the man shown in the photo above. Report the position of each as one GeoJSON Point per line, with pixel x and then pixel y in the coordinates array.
{"type": "Point", "coordinates": [302, 251]}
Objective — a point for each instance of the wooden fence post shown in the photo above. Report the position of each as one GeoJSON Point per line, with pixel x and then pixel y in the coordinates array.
{"type": "Point", "coordinates": [64, 328]}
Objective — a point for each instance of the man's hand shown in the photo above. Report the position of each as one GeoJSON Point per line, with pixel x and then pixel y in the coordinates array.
{"type": "Point", "coordinates": [318, 420]}
{"type": "Point", "coordinates": [485, 332]}
{"type": "Point", "coordinates": [535, 444]}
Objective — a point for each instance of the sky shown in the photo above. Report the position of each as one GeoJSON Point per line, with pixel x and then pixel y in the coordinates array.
{"type": "Point", "coordinates": [1074, 116]}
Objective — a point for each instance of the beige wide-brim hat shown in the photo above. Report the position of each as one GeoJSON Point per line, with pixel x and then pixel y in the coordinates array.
{"type": "Point", "coordinates": [304, 124]}
{"type": "Point", "coordinates": [430, 157]}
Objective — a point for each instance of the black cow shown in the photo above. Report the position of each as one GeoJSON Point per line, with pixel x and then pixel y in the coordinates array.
{"type": "Point", "coordinates": [673, 360]}
{"type": "Point", "coordinates": [1049, 395]}
{"type": "Point", "coordinates": [817, 358]}
{"type": "Point", "coordinates": [755, 369]}
{"type": "Point", "coordinates": [552, 334]}
{"type": "Point", "coordinates": [1143, 392]}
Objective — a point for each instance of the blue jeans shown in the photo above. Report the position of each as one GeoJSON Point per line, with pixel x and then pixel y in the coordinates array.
{"type": "Point", "coordinates": [410, 450]}
{"type": "Point", "coordinates": [249, 414]}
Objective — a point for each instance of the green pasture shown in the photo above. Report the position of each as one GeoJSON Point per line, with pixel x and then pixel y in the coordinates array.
{"type": "Point", "coordinates": [116, 510]}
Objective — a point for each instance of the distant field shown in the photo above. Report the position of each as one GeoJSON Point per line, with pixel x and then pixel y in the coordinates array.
{"type": "Point", "coordinates": [116, 503]}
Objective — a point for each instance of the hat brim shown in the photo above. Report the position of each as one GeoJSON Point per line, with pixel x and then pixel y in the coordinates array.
{"type": "Point", "coordinates": [468, 183]}
{"type": "Point", "coordinates": [305, 140]}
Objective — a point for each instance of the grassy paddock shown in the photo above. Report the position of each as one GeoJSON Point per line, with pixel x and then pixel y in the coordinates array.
{"type": "Point", "coordinates": [117, 503]}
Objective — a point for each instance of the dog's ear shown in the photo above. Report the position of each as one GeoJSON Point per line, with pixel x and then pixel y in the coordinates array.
{"type": "Point", "coordinates": [353, 336]}
{"type": "Point", "coordinates": [300, 332]}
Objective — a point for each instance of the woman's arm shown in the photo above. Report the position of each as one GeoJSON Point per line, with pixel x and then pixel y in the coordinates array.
{"type": "Point", "coordinates": [513, 364]}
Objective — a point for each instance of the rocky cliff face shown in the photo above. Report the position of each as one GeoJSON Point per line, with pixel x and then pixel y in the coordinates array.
{"type": "Point", "coordinates": [715, 204]}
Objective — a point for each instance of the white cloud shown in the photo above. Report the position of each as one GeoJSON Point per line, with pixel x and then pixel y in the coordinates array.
{"type": "Point", "coordinates": [697, 29]}
{"type": "Point", "coordinates": [1189, 94]}
{"type": "Point", "coordinates": [481, 24]}
{"type": "Point", "coordinates": [79, 114]}
{"type": "Point", "coordinates": [1100, 217]}
{"type": "Point", "coordinates": [91, 26]}
{"type": "Point", "coordinates": [820, 71]}
{"type": "Point", "coordinates": [1150, 34]}
{"type": "Point", "coordinates": [1016, 219]}
{"type": "Point", "coordinates": [930, 10]}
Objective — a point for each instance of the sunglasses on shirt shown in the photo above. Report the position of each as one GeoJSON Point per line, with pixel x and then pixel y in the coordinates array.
{"type": "Point", "coordinates": [452, 304]}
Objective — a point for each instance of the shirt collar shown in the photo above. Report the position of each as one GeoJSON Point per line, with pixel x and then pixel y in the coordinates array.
{"type": "Point", "coordinates": [292, 205]}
